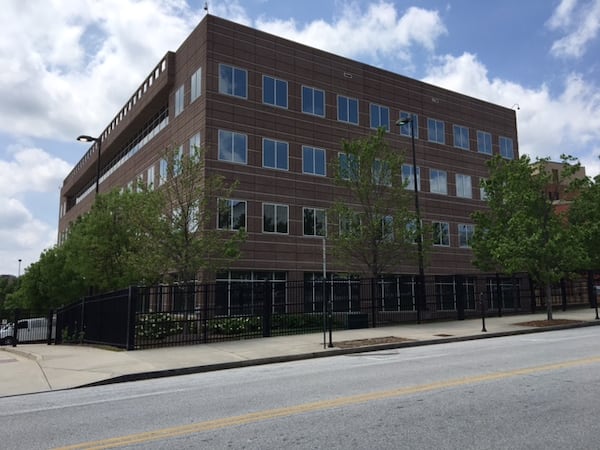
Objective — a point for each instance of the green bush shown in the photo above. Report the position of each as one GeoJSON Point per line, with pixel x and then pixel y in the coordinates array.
{"type": "Point", "coordinates": [157, 326]}
{"type": "Point", "coordinates": [236, 325]}
{"type": "Point", "coordinates": [297, 321]}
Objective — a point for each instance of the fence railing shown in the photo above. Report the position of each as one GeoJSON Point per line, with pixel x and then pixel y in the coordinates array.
{"type": "Point", "coordinates": [169, 315]}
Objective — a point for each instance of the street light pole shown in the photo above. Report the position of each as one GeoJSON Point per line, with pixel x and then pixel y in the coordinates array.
{"type": "Point", "coordinates": [421, 281]}
{"type": "Point", "coordinates": [19, 272]}
{"type": "Point", "coordinates": [98, 140]}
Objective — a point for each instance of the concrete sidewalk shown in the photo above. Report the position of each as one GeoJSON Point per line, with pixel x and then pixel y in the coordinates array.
{"type": "Point", "coordinates": [32, 368]}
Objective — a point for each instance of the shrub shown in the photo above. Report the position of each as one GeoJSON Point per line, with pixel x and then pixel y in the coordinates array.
{"type": "Point", "coordinates": [236, 325]}
{"type": "Point", "coordinates": [157, 326]}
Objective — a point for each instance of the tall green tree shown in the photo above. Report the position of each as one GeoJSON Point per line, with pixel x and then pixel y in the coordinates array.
{"type": "Point", "coordinates": [48, 283]}
{"type": "Point", "coordinates": [108, 247]}
{"type": "Point", "coordinates": [521, 231]}
{"type": "Point", "coordinates": [584, 217]}
{"type": "Point", "coordinates": [186, 238]}
{"type": "Point", "coordinates": [372, 227]}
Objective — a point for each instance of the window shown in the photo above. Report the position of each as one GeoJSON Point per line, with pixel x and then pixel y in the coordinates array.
{"type": "Point", "coordinates": [484, 142]}
{"type": "Point", "coordinates": [482, 194]}
{"type": "Point", "coordinates": [347, 109]}
{"type": "Point", "coordinates": [233, 81]}
{"type": "Point", "coordinates": [193, 222]}
{"type": "Point", "coordinates": [275, 154]}
{"type": "Point", "coordinates": [150, 178]}
{"type": "Point", "coordinates": [438, 181]}
{"type": "Point", "coordinates": [380, 116]}
{"type": "Point", "coordinates": [435, 131]}
{"type": "Point", "coordinates": [195, 145]}
{"type": "Point", "coordinates": [231, 214]}
{"type": "Point", "coordinates": [179, 101]}
{"type": "Point", "coordinates": [405, 130]}
{"type": "Point", "coordinates": [275, 92]}
{"type": "Point", "coordinates": [387, 228]}
{"type": "Point", "coordinates": [313, 101]}
{"type": "Point", "coordinates": [441, 234]}
{"type": "Point", "coordinates": [163, 173]}
{"type": "Point", "coordinates": [178, 161]}
{"type": "Point", "coordinates": [313, 160]}
{"type": "Point", "coordinates": [506, 147]}
{"type": "Point", "coordinates": [407, 177]}
{"type": "Point", "coordinates": [461, 137]}
{"type": "Point", "coordinates": [382, 174]}
{"type": "Point", "coordinates": [350, 224]}
{"type": "Point", "coordinates": [196, 83]}
{"type": "Point", "coordinates": [233, 147]}
{"type": "Point", "coordinates": [275, 218]}
{"type": "Point", "coordinates": [463, 186]}
{"type": "Point", "coordinates": [314, 222]}
{"type": "Point", "coordinates": [465, 235]}
{"type": "Point", "coordinates": [349, 166]}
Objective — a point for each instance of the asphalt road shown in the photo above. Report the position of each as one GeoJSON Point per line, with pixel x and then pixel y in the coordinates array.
{"type": "Point", "coordinates": [529, 391]}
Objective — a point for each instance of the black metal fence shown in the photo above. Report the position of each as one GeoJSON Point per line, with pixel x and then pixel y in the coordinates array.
{"type": "Point", "coordinates": [168, 315]}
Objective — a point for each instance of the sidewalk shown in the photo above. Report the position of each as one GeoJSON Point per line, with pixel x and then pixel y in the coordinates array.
{"type": "Point", "coordinates": [32, 368]}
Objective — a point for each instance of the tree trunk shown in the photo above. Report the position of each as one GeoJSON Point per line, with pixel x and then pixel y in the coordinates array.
{"type": "Point", "coordinates": [549, 300]}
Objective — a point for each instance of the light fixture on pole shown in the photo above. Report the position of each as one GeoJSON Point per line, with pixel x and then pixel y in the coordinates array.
{"type": "Point", "coordinates": [421, 282]}
{"type": "Point", "coordinates": [98, 141]}
{"type": "Point", "coordinates": [19, 272]}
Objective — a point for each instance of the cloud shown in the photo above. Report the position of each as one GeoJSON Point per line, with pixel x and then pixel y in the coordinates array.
{"type": "Point", "coordinates": [375, 33]}
{"type": "Point", "coordinates": [581, 24]}
{"type": "Point", "coordinates": [548, 126]}
{"type": "Point", "coordinates": [31, 170]}
{"type": "Point", "coordinates": [22, 236]}
{"type": "Point", "coordinates": [60, 64]}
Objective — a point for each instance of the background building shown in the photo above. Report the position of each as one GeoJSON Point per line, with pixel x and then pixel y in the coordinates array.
{"type": "Point", "coordinates": [271, 114]}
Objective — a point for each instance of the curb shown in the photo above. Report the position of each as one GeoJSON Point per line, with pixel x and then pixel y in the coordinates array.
{"type": "Point", "coordinates": [323, 354]}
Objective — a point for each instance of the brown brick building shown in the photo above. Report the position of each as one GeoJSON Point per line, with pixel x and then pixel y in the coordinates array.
{"type": "Point", "coordinates": [272, 113]}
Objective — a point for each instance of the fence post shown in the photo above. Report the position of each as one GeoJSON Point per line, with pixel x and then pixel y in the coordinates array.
{"type": "Point", "coordinates": [374, 302]}
{"type": "Point", "coordinates": [563, 293]}
{"type": "Point", "coordinates": [49, 327]}
{"type": "Point", "coordinates": [267, 309]}
{"type": "Point", "coordinates": [460, 297]}
{"type": "Point", "coordinates": [205, 313]}
{"type": "Point", "coordinates": [499, 294]}
{"type": "Point", "coordinates": [15, 328]}
{"type": "Point", "coordinates": [532, 295]}
{"type": "Point", "coordinates": [131, 317]}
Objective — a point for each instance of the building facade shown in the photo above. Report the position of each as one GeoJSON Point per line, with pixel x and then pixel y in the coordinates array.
{"type": "Point", "coordinates": [271, 114]}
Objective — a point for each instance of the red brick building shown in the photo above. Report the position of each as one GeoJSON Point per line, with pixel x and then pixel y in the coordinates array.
{"type": "Point", "coordinates": [271, 114]}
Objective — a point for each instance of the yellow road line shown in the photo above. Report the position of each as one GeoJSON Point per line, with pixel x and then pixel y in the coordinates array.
{"type": "Point", "coordinates": [210, 425]}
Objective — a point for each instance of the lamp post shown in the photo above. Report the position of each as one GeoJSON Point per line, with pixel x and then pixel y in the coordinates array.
{"type": "Point", "coordinates": [19, 272]}
{"type": "Point", "coordinates": [85, 138]}
{"type": "Point", "coordinates": [421, 280]}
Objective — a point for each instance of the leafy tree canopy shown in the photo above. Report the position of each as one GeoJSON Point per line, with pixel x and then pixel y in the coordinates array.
{"type": "Point", "coordinates": [372, 227]}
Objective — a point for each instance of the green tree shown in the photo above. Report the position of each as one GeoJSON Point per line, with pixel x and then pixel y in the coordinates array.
{"type": "Point", "coordinates": [520, 231]}
{"type": "Point", "coordinates": [48, 283]}
{"type": "Point", "coordinates": [108, 247]}
{"type": "Point", "coordinates": [584, 217]}
{"type": "Point", "coordinates": [373, 228]}
{"type": "Point", "coordinates": [8, 284]}
{"type": "Point", "coordinates": [186, 237]}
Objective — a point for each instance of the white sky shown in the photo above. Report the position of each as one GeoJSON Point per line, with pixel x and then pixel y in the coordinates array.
{"type": "Point", "coordinates": [68, 66]}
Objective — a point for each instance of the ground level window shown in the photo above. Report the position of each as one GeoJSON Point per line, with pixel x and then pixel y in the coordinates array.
{"type": "Point", "coordinates": [242, 293]}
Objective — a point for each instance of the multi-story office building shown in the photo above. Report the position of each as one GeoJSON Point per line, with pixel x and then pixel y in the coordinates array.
{"type": "Point", "coordinates": [271, 114]}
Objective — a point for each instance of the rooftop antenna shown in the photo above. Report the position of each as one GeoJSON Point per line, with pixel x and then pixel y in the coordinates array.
{"type": "Point", "coordinates": [206, 7]}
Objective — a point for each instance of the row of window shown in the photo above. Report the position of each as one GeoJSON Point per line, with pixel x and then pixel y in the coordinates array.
{"type": "Point", "coordinates": [234, 81]}
{"type": "Point", "coordinates": [233, 147]}
{"type": "Point", "coordinates": [232, 213]}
